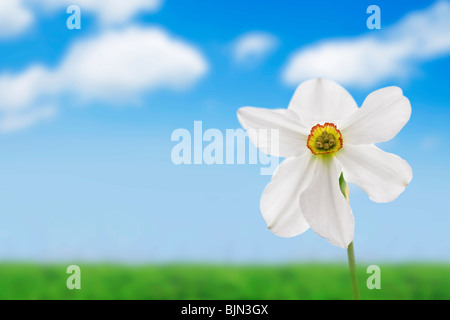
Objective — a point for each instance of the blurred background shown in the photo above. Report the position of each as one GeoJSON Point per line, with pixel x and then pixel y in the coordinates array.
{"type": "Point", "coordinates": [86, 175]}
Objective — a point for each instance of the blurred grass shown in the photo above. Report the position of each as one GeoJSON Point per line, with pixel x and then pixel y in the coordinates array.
{"type": "Point", "coordinates": [321, 281]}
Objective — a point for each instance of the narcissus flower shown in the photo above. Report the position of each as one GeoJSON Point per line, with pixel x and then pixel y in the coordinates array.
{"type": "Point", "coordinates": [322, 134]}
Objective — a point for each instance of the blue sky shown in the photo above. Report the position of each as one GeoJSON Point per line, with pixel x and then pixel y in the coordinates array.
{"type": "Point", "coordinates": [85, 171]}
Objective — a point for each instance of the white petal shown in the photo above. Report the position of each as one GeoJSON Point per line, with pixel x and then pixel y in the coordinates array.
{"type": "Point", "coordinates": [320, 100]}
{"type": "Point", "coordinates": [280, 205]}
{"type": "Point", "coordinates": [275, 132]}
{"type": "Point", "coordinates": [383, 176]}
{"type": "Point", "coordinates": [382, 115]}
{"type": "Point", "coordinates": [324, 206]}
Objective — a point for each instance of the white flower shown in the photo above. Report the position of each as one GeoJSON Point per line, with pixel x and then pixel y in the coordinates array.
{"type": "Point", "coordinates": [323, 134]}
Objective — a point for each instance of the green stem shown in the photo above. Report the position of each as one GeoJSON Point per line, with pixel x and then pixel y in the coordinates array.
{"type": "Point", "coordinates": [353, 275]}
{"type": "Point", "coordinates": [350, 250]}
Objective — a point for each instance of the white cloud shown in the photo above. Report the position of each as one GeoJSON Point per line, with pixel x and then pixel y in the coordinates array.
{"type": "Point", "coordinates": [108, 11]}
{"type": "Point", "coordinates": [117, 65]}
{"type": "Point", "coordinates": [17, 91]}
{"type": "Point", "coordinates": [124, 63]}
{"type": "Point", "coordinates": [15, 18]}
{"type": "Point", "coordinates": [255, 45]}
{"type": "Point", "coordinates": [364, 61]}
{"type": "Point", "coordinates": [13, 121]}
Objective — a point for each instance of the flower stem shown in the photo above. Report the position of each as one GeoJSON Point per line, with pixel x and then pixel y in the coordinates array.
{"type": "Point", "coordinates": [353, 275]}
{"type": "Point", "coordinates": [350, 250]}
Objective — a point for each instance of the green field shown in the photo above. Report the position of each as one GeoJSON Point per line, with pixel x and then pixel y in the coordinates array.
{"type": "Point", "coordinates": [21, 281]}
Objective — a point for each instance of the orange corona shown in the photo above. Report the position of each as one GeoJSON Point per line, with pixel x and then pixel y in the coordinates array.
{"type": "Point", "coordinates": [324, 139]}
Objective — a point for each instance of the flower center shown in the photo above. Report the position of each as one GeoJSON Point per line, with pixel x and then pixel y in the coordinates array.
{"type": "Point", "coordinates": [324, 139]}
